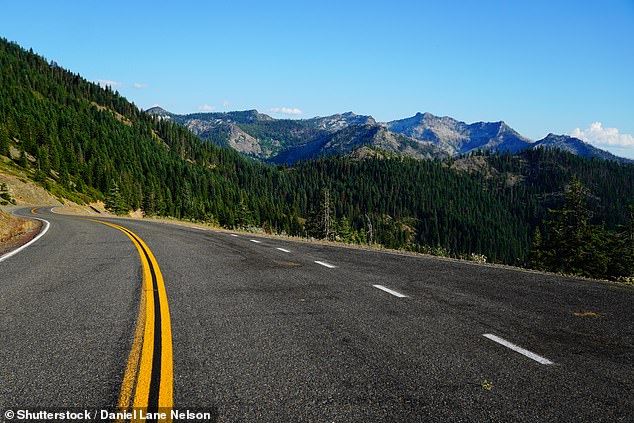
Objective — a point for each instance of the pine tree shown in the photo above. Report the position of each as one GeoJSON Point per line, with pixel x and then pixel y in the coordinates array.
{"type": "Point", "coordinates": [620, 250]}
{"type": "Point", "coordinates": [320, 222]}
{"type": "Point", "coordinates": [536, 255]}
{"type": "Point", "coordinates": [574, 246]}
{"type": "Point", "coordinates": [344, 231]}
{"type": "Point", "coordinates": [148, 205]}
{"type": "Point", "coordinates": [114, 200]}
{"type": "Point", "coordinates": [244, 217]}
{"type": "Point", "coordinates": [4, 141]}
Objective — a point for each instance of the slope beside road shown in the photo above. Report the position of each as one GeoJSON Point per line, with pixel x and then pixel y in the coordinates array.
{"type": "Point", "coordinates": [271, 330]}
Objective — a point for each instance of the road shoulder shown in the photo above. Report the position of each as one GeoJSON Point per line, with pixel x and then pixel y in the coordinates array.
{"type": "Point", "coordinates": [16, 231]}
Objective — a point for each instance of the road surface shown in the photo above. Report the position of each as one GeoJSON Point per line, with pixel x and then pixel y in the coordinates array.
{"type": "Point", "coordinates": [277, 331]}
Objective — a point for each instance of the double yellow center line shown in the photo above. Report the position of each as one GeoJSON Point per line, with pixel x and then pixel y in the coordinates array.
{"type": "Point", "coordinates": [149, 372]}
{"type": "Point", "coordinates": [149, 376]}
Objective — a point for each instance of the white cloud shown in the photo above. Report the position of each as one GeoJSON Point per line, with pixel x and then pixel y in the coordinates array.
{"type": "Point", "coordinates": [226, 104]}
{"type": "Point", "coordinates": [286, 110]}
{"type": "Point", "coordinates": [139, 86]}
{"type": "Point", "coordinates": [597, 134]}
{"type": "Point", "coordinates": [108, 83]}
{"type": "Point", "coordinates": [206, 108]}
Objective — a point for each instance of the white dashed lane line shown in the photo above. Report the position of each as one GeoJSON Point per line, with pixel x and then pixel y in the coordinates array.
{"type": "Point", "coordinates": [397, 294]}
{"type": "Point", "coordinates": [390, 291]}
{"type": "Point", "coordinates": [517, 348]}
{"type": "Point", "coordinates": [323, 263]}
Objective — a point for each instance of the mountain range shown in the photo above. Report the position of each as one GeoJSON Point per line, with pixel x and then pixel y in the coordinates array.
{"type": "Point", "coordinates": [421, 136]}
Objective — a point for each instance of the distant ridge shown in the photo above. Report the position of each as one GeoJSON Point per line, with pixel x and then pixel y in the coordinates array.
{"type": "Point", "coordinates": [158, 111]}
{"type": "Point", "coordinates": [576, 146]}
{"type": "Point", "coordinates": [423, 135]}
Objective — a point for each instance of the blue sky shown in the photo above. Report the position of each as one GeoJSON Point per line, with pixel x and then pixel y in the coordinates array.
{"type": "Point", "coordinates": [541, 66]}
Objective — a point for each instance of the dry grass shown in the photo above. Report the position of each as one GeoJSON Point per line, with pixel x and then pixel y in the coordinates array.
{"type": "Point", "coordinates": [15, 231]}
{"type": "Point", "coordinates": [119, 116]}
{"type": "Point", "coordinates": [22, 188]}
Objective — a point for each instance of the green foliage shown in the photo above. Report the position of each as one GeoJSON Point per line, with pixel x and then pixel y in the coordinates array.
{"type": "Point", "coordinates": [5, 196]}
{"type": "Point", "coordinates": [620, 250]}
{"type": "Point", "coordinates": [573, 245]}
{"type": "Point", "coordinates": [322, 222]}
{"type": "Point", "coordinates": [538, 256]}
{"type": "Point", "coordinates": [345, 233]}
{"type": "Point", "coordinates": [4, 141]}
{"type": "Point", "coordinates": [244, 217]}
{"type": "Point", "coordinates": [276, 135]}
{"type": "Point", "coordinates": [114, 200]}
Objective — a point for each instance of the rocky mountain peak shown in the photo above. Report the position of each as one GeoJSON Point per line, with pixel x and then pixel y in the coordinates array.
{"type": "Point", "coordinates": [157, 110]}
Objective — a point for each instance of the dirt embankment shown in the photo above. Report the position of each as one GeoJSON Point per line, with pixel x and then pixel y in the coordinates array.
{"type": "Point", "coordinates": [15, 231]}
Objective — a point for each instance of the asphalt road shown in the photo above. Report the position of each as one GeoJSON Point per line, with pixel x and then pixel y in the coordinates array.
{"type": "Point", "coordinates": [262, 332]}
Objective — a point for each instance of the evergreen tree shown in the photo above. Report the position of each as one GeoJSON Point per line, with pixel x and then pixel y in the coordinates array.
{"type": "Point", "coordinates": [620, 250]}
{"type": "Point", "coordinates": [244, 217]}
{"type": "Point", "coordinates": [344, 232]}
{"type": "Point", "coordinates": [4, 141]}
{"type": "Point", "coordinates": [537, 253]}
{"type": "Point", "coordinates": [114, 200]}
{"type": "Point", "coordinates": [574, 246]}
{"type": "Point", "coordinates": [148, 206]}
{"type": "Point", "coordinates": [320, 222]}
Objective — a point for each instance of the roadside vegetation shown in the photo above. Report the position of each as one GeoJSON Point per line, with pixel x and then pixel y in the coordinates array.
{"type": "Point", "coordinates": [568, 243]}
{"type": "Point", "coordinates": [15, 231]}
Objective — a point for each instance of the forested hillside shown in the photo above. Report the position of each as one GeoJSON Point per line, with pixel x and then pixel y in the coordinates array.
{"type": "Point", "coordinates": [87, 141]}
{"type": "Point", "coordinates": [84, 142]}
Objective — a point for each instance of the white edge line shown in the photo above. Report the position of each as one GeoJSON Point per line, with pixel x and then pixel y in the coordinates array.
{"type": "Point", "coordinates": [255, 240]}
{"type": "Point", "coordinates": [40, 235]}
{"type": "Point", "coordinates": [517, 348]}
{"type": "Point", "coordinates": [328, 265]}
{"type": "Point", "coordinates": [283, 249]}
{"type": "Point", "coordinates": [233, 235]}
{"type": "Point", "coordinates": [390, 291]}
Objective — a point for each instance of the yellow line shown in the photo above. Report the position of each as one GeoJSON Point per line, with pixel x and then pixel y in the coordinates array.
{"type": "Point", "coordinates": [166, 388]}
{"type": "Point", "coordinates": [146, 313]}
{"type": "Point", "coordinates": [143, 338]}
{"type": "Point", "coordinates": [139, 365]}
{"type": "Point", "coordinates": [127, 386]}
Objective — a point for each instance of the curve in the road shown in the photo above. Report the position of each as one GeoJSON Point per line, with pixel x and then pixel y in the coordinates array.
{"type": "Point", "coordinates": [34, 240]}
{"type": "Point", "coordinates": [149, 377]}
